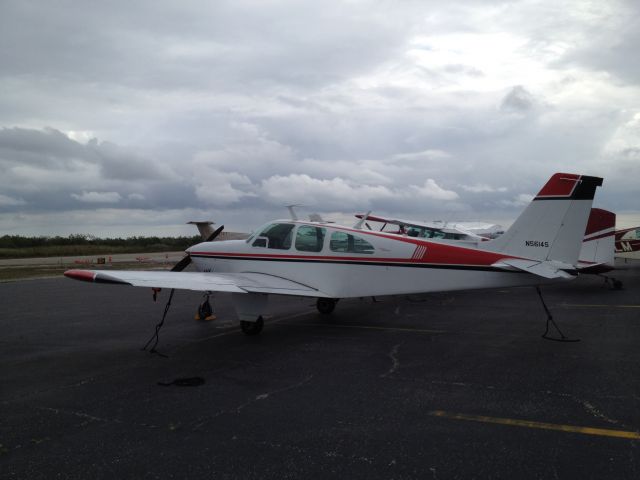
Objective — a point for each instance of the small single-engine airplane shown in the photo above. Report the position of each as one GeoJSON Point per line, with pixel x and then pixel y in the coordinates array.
{"type": "Point", "coordinates": [471, 232]}
{"type": "Point", "coordinates": [327, 261]}
{"type": "Point", "coordinates": [628, 243]}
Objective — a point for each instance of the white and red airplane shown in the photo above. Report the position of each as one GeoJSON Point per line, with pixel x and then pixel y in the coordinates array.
{"type": "Point", "coordinates": [471, 232]}
{"type": "Point", "coordinates": [329, 261]}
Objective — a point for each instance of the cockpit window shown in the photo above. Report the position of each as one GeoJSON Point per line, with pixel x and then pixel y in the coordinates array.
{"type": "Point", "coordinates": [276, 235]}
{"type": "Point", "coordinates": [309, 238]}
{"type": "Point", "coordinates": [347, 243]}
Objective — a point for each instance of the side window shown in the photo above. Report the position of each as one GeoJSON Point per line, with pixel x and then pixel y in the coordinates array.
{"type": "Point", "coordinates": [277, 236]}
{"type": "Point", "coordinates": [347, 243]}
{"type": "Point", "coordinates": [309, 238]}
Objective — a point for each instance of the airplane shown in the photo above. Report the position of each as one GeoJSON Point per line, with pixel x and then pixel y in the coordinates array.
{"type": "Point", "coordinates": [205, 229]}
{"type": "Point", "coordinates": [472, 232]}
{"type": "Point", "coordinates": [628, 243]}
{"type": "Point", "coordinates": [327, 261]}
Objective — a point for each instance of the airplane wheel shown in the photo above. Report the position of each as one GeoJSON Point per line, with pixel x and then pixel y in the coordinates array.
{"type": "Point", "coordinates": [617, 284]}
{"type": "Point", "coordinates": [252, 328]}
{"type": "Point", "coordinates": [326, 305]}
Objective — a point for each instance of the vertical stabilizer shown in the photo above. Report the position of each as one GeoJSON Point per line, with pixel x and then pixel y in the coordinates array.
{"type": "Point", "coordinates": [205, 228]}
{"type": "Point", "coordinates": [553, 225]}
{"type": "Point", "coordinates": [598, 245]}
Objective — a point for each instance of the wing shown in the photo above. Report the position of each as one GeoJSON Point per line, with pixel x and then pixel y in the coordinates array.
{"type": "Point", "coordinates": [546, 269]}
{"type": "Point", "coordinates": [199, 281]}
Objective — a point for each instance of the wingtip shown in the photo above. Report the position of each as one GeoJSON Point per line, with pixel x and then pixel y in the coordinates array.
{"type": "Point", "coordinates": [83, 275]}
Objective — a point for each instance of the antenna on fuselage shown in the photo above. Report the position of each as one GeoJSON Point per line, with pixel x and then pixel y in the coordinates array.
{"type": "Point", "coordinates": [360, 222]}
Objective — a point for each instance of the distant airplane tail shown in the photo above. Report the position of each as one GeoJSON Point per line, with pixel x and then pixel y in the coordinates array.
{"type": "Point", "coordinates": [553, 225]}
{"type": "Point", "coordinates": [204, 228]}
{"type": "Point", "coordinates": [598, 245]}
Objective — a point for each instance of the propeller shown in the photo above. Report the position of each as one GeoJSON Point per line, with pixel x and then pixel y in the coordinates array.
{"type": "Point", "coordinates": [184, 263]}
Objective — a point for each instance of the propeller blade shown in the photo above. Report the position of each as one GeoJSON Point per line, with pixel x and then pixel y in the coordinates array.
{"type": "Point", "coordinates": [215, 234]}
{"type": "Point", "coordinates": [182, 264]}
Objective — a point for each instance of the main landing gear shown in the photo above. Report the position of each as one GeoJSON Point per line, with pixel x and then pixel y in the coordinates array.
{"type": "Point", "coordinates": [615, 283]}
{"type": "Point", "coordinates": [326, 305]}
{"type": "Point", "coordinates": [252, 328]}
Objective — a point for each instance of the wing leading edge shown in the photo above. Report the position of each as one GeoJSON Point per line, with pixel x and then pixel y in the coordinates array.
{"type": "Point", "coordinates": [199, 281]}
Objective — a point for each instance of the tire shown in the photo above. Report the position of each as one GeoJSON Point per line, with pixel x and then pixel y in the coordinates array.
{"type": "Point", "coordinates": [326, 305]}
{"type": "Point", "coordinates": [252, 328]}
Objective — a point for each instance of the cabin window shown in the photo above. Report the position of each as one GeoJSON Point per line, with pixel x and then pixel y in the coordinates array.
{"type": "Point", "coordinates": [309, 238]}
{"type": "Point", "coordinates": [347, 243]}
{"type": "Point", "coordinates": [277, 236]}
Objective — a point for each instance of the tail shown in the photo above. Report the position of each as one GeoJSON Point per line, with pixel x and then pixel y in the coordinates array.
{"type": "Point", "coordinates": [553, 224]}
{"type": "Point", "coordinates": [598, 245]}
{"type": "Point", "coordinates": [204, 228]}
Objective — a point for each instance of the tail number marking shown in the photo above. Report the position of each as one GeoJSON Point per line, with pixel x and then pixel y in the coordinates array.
{"type": "Point", "coordinates": [536, 243]}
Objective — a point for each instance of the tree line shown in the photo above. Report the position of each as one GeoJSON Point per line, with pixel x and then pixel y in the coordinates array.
{"type": "Point", "coordinates": [170, 243]}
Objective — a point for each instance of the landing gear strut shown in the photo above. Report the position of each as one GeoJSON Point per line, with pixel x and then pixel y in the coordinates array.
{"type": "Point", "coordinates": [326, 305]}
{"type": "Point", "coordinates": [252, 328]}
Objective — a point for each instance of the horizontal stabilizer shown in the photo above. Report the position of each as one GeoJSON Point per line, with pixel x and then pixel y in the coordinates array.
{"type": "Point", "coordinates": [198, 281]}
{"type": "Point", "coordinates": [546, 269]}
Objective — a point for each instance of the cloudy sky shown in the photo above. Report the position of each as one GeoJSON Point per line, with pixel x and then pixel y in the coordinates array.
{"type": "Point", "coordinates": [131, 118]}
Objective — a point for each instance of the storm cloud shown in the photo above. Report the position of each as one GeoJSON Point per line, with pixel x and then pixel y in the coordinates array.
{"type": "Point", "coordinates": [135, 118]}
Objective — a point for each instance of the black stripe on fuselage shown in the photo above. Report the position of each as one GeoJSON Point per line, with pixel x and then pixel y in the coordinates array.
{"type": "Point", "coordinates": [480, 268]}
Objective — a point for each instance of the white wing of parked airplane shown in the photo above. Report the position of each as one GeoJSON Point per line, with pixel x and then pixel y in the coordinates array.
{"type": "Point", "coordinates": [199, 281]}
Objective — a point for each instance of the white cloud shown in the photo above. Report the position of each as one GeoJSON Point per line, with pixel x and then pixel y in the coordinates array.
{"type": "Point", "coordinates": [6, 201]}
{"type": "Point", "coordinates": [430, 189]}
{"type": "Point", "coordinates": [520, 200]}
{"type": "Point", "coordinates": [97, 197]}
{"type": "Point", "coordinates": [220, 188]}
{"type": "Point", "coordinates": [320, 193]}
{"type": "Point", "coordinates": [483, 188]}
{"type": "Point", "coordinates": [236, 108]}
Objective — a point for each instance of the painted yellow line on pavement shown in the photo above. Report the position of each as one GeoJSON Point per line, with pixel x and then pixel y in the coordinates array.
{"type": "Point", "coordinates": [603, 432]}
{"type": "Point", "coordinates": [362, 327]}
{"type": "Point", "coordinates": [598, 305]}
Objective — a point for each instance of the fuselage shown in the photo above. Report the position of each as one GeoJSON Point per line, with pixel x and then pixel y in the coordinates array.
{"type": "Point", "coordinates": [345, 262]}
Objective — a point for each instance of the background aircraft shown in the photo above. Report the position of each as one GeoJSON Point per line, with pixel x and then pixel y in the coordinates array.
{"type": "Point", "coordinates": [628, 243]}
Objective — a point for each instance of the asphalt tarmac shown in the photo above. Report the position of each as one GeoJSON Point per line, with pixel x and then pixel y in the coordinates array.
{"type": "Point", "coordinates": [451, 385]}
